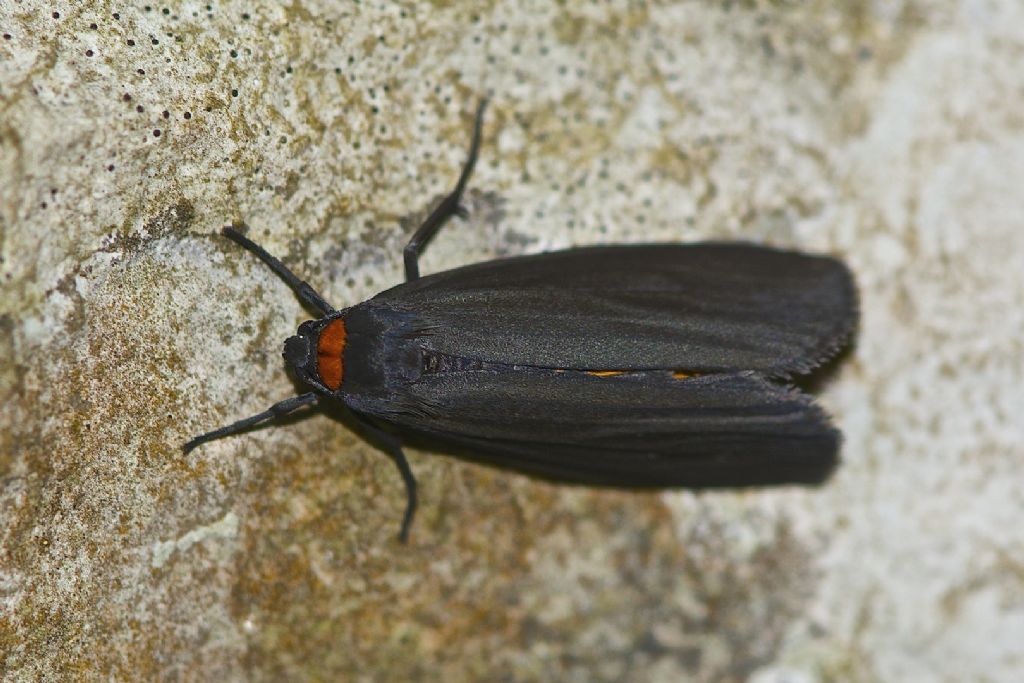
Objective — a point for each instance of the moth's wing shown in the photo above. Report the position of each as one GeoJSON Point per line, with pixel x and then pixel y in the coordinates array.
{"type": "Point", "coordinates": [703, 307]}
{"type": "Point", "coordinates": [645, 429]}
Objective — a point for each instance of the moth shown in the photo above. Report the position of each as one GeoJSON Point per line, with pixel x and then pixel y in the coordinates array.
{"type": "Point", "coordinates": [654, 365]}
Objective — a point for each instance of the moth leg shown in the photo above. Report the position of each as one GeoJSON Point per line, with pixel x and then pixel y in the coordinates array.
{"type": "Point", "coordinates": [447, 208]}
{"type": "Point", "coordinates": [277, 410]}
{"type": "Point", "coordinates": [303, 289]}
{"type": "Point", "coordinates": [392, 445]}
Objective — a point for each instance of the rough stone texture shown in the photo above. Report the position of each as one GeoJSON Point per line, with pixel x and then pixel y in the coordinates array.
{"type": "Point", "coordinates": [890, 133]}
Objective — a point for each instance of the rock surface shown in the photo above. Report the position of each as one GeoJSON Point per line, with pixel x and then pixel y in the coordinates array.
{"type": "Point", "coordinates": [889, 133]}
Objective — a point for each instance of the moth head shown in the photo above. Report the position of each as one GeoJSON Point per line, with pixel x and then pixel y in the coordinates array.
{"type": "Point", "coordinates": [316, 352]}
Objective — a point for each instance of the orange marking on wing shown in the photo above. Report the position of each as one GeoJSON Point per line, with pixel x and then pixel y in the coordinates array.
{"type": "Point", "coordinates": [329, 349]}
{"type": "Point", "coordinates": [676, 374]}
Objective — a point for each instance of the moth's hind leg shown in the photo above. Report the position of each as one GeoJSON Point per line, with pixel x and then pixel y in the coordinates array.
{"type": "Point", "coordinates": [446, 209]}
{"type": "Point", "coordinates": [392, 445]}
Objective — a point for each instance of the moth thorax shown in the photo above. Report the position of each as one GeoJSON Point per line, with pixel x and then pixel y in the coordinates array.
{"type": "Point", "coordinates": [330, 349]}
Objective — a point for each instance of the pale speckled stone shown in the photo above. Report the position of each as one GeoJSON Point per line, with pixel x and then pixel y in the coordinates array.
{"type": "Point", "coordinates": [891, 134]}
